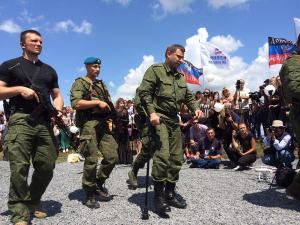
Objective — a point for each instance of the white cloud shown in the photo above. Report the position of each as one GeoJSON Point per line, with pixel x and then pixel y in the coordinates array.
{"type": "Point", "coordinates": [111, 84]}
{"type": "Point", "coordinates": [10, 26]}
{"type": "Point", "coordinates": [214, 78]}
{"type": "Point", "coordinates": [27, 17]}
{"type": "Point", "coordinates": [163, 7]}
{"type": "Point", "coordinates": [121, 2]}
{"type": "Point", "coordinates": [227, 44]}
{"type": "Point", "coordinates": [133, 79]}
{"type": "Point", "coordinates": [69, 25]}
{"type": "Point", "coordinates": [226, 3]}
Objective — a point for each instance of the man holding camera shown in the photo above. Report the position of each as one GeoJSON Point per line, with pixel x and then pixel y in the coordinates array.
{"type": "Point", "coordinates": [241, 101]}
{"type": "Point", "coordinates": [278, 146]}
{"type": "Point", "coordinates": [93, 120]}
{"type": "Point", "coordinates": [290, 78]}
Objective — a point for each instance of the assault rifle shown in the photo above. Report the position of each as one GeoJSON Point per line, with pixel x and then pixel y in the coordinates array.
{"type": "Point", "coordinates": [103, 94]}
{"type": "Point", "coordinates": [45, 110]}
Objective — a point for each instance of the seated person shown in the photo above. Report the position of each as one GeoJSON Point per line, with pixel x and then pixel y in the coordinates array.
{"type": "Point", "coordinates": [278, 146]}
{"type": "Point", "coordinates": [243, 150]}
{"type": "Point", "coordinates": [209, 153]}
{"type": "Point", "coordinates": [197, 132]}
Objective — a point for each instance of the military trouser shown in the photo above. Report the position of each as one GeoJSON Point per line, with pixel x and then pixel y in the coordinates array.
{"type": "Point", "coordinates": [146, 152]}
{"type": "Point", "coordinates": [27, 142]}
{"type": "Point", "coordinates": [294, 118]}
{"type": "Point", "coordinates": [168, 156]}
{"type": "Point", "coordinates": [95, 136]}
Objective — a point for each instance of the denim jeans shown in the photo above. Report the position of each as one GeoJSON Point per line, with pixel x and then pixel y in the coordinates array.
{"type": "Point", "coordinates": [283, 157]}
{"type": "Point", "coordinates": [208, 164]}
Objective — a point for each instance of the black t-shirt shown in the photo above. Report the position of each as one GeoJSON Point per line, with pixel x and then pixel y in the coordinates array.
{"type": "Point", "coordinates": [245, 142]}
{"type": "Point", "coordinates": [22, 72]}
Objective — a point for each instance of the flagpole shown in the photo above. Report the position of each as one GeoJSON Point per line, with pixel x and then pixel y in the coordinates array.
{"type": "Point", "coordinates": [201, 64]}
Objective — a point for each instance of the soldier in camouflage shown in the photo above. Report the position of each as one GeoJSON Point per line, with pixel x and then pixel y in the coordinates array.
{"type": "Point", "coordinates": [162, 92]}
{"type": "Point", "coordinates": [88, 97]}
{"type": "Point", "coordinates": [290, 78]}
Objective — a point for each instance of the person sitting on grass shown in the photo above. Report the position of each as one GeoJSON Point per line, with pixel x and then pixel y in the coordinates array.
{"type": "Point", "coordinates": [243, 150]}
{"type": "Point", "coordinates": [210, 151]}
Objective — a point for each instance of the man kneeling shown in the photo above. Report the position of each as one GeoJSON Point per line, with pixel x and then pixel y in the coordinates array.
{"type": "Point", "coordinates": [278, 146]}
{"type": "Point", "coordinates": [209, 152]}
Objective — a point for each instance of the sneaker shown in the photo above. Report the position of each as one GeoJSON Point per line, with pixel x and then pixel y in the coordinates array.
{"type": "Point", "coordinates": [64, 151]}
{"type": "Point", "coordinates": [237, 168]}
{"type": "Point", "coordinates": [38, 211]}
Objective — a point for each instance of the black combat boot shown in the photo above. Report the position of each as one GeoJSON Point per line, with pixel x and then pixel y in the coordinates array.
{"type": "Point", "coordinates": [102, 192]}
{"type": "Point", "coordinates": [172, 197]}
{"type": "Point", "coordinates": [159, 201]}
{"type": "Point", "coordinates": [91, 201]}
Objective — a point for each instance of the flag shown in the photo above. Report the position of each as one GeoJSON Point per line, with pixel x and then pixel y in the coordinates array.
{"type": "Point", "coordinates": [190, 72]}
{"type": "Point", "coordinates": [211, 54]}
{"type": "Point", "coordinates": [297, 26]}
{"type": "Point", "coordinates": [279, 50]}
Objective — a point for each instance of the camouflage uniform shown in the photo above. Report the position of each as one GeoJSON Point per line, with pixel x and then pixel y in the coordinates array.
{"type": "Point", "coordinates": [163, 91]}
{"type": "Point", "coordinates": [290, 78]}
{"type": "Point", "coordinates": [95, 136]}
{"type": "Point", "coordinates": [28, 140]}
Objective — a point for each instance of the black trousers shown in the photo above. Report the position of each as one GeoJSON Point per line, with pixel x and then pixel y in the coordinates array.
{"type": "Point", "coordinates": [240, 160]}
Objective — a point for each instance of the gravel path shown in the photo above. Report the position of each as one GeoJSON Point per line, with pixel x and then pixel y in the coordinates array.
{"type": "Point", "coordinates": [214, 197]}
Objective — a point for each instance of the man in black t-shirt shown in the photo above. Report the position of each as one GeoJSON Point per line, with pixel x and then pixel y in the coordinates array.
{"type": "Point", "coordinates": [28, 83]}
{"type": "Point", "coordinates": [243, 151]}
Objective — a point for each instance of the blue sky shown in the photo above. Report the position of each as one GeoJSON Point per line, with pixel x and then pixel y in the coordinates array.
{"type": "Point", "coordinates": [130, 35]}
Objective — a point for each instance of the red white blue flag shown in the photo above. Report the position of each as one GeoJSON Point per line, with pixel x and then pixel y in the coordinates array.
{"type": "Point", "coordinates": [279, 50]}
{"type": "Point", "coordinates": [190, 72]}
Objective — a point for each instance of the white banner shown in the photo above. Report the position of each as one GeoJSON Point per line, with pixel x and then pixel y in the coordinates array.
{"type": "Point", "coordinates": [297, 26]}
{"type": "Point", "coordinates": [211, 54]}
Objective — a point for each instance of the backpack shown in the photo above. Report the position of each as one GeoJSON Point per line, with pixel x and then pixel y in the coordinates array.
{"type": "Point", "coordinates": [284, 176]}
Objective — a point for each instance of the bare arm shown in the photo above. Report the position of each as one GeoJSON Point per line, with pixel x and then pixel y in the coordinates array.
{"type": "Point", "coordinates": [9, 92]}
{"type": "Point", "coordinates": [57, 98]}
{"type": "Point", "coordinates": [253, 147]}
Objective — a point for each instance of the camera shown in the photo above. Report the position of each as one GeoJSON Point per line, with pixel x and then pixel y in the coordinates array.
{"type": "Point", "coordinates": [239, 83]}
{"type": "Point", "coordinates": [255, 96]}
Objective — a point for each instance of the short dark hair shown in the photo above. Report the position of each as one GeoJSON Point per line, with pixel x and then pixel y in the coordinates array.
{"type": "Point", "coordinates": [23, 34]}
{"type": "Point", "coordinates": [210, 128]}
{"type": "Point", "coordinates": [172, 48]}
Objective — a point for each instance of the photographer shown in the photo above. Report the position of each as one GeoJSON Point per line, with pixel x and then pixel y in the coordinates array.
{"type": "Point", "coordinates": [256, 113]}
{"type": "Point", "coordinates": [278, 146]}
{"type": "Point", "coordinates": [243, 151]}
{"type": "Point", "coordinates": [241, 101]}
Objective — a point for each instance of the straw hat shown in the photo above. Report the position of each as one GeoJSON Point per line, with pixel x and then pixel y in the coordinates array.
{"type": "Point", "coordinates": [277, 123]}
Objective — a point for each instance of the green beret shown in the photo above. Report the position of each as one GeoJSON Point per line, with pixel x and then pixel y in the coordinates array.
{"type": "Point", "coordinates": [92, 60]}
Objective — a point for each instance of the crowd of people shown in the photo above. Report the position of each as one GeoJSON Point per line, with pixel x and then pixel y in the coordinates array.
{"type": "Point", "coordinates": [165, 122]}
{"type": "Point", "coordinates": [263, 115]}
